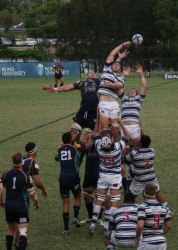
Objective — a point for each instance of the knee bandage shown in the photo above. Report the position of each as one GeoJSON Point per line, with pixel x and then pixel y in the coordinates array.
{"type": "Point", "coordinates": [23, 231]}
{"type": "Point", "coordinates": [115, 197]}
{"type": "Point", "coordinates": [101, 197]}
{"type": "Point", "coordinates": [114, 125]}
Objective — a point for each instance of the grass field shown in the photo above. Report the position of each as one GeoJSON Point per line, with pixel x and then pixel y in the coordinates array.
{"type": "Point", "coordinates": [30, 114]}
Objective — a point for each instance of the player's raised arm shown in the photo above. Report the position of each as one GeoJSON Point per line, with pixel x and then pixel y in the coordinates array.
{"type": "Point", "coordinates": [139, 70]}
{"type": "Point", "coordinates": [116, 51]}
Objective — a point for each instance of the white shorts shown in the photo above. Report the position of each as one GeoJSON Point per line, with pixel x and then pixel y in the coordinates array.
{"type": "Point", "coordinates": [110, 182]}
{"type": "Point", "coordinates": [146, 246]}
{"type": "Point", "coordinates": [133, 130]}
{"type": "Point", "coordinates": [109, 109]}
{"type": "Point", "coordinates": [138, 187]}
{"type": "Point", "coordinates": [121, 244]}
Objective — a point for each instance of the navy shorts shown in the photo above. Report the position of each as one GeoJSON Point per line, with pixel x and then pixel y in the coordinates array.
{"type": "Point", "coordinates": [58, 76]}
{"type": "Point", "coordinates": [67, 184]}
{"type": "Point", "coordinates": [17, 216]}
{"type": "Point", "coordinates": [90, 181]}
{"type": "Point", "coordinates": [85, 119]}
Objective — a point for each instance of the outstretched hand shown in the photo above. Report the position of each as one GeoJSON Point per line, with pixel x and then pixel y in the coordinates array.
{"type": "Point", "coordinates": [126, 71]}
{"type": "Point", "coordinates": [123, 54]}
{"type": "Point", "coordinates": [48, 88]}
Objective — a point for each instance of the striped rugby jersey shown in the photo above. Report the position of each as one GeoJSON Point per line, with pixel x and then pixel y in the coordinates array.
{"type": "Point", "coordinates": [131, 107]}
{"type": "Point", "coordinates": [154, 214]}
{"type": "Point", "coordinates": [142, 160]}
{"type": "Point", "coordinates": [110, 162]}
{"type": "Point", "coordinates": [125, 221]}
{"type": "Point", "coordinates": [112, 77]}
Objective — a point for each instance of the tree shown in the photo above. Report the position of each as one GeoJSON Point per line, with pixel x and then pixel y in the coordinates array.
{"type": "Point", "coordinates": [167, 22]}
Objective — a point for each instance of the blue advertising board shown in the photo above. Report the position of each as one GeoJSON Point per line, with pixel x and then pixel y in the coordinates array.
{"type": "Point", "coordinates": [37, 69]}
{"type": "Point", "coordinates": [170, 76]}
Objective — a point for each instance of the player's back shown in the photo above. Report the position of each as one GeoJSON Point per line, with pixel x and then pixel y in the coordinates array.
{"type": "Point", "coordinates": [154, 214]}
{"type": "Point", "coordinates": [30, 166]}
{"type": "Point", "coordinates": [16, 182]}
{"type": "Point", "coordinates": [69, 160]}
{"type": "Point", "coordinates": [142, 160]}
{"type": "Point", "coordinates": [125, 219]}
{"type": "Point", "coordinates": [92, 161]}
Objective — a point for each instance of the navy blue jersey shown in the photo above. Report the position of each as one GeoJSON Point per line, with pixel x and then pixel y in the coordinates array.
{"type": "Point", "coordinates": [30, 166]}
{"type": "Point", "coordinates": [92, 161]}
{"type": "Point", "coordinates": [89, 94]}
{"type": "Point", "coordinates": [16, 181]}
{"type": "Point", "coordinates": [69, 158]}
{"type": "Point", "coordinates": [58, 68]}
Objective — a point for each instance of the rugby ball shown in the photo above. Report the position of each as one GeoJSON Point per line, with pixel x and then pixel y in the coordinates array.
{"type": "Point", "coordinates": [137, 39]}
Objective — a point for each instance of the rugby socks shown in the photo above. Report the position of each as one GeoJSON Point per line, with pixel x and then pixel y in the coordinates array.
{"type": "Point", "coordinates": [96, 212]}
{"type": "Point", "coordinates": [61, 84]}
{"type": "Point", "coordinates": [9, 241]}
{"type": "Point", "coordinates": [107, 214]}
{"type": "Point", "coordinates": [22, 242]}
{"type": "Point", "coordinates": [55, 85]}
{"type": "Point", "coordinates": [76, 211]}
{"type": "Point", "coordinates": [101, 212]}
{"type": "Point", "coordinates": [89, 207]}
{"type": "Point", "coordinates": [110, 247]}
{"type": "Point", "coordinates": [66, 221]}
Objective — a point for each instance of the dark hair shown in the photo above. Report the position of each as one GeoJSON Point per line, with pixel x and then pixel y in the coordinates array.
{"type": "Point", "coordinates": [17, 159]}
{"type": "Point", "coordinates": [129, 197]}
{"type": "Point", "coordinates": [66, 137]}
{"type": "Point", "coordinates": [30, 147]}
{"type": "Point", "coordinates": [145, 141]}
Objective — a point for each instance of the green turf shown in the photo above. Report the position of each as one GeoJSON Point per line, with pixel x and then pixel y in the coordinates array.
{"type": "Point", "coordinates": [30, 114]}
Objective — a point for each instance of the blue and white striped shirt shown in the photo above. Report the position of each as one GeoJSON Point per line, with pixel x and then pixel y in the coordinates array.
{"type": "Point", "coordinates": [142, 160]}
{"type": "Point", "coordinates": [125, 221]}
{"type": "Point", "coordinates": [110, 162]}
{"type": "Point", "coordinates": [131, 107]}
{"type": "Point", "coordinates": [154, 214]}
{"type": "Point", "coordinates": [111, 77]}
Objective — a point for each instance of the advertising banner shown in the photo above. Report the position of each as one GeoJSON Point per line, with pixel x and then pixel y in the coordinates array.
{"type": "Point", "coordinates": [37, 69]}
{"type": "Point", "coordinates": [170, 76]}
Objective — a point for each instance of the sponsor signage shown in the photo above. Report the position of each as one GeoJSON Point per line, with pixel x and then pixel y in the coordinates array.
{"type": "Point", "coordinates": [170, 76]}
{"type": "Point", "coordinates": [37, 69]}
